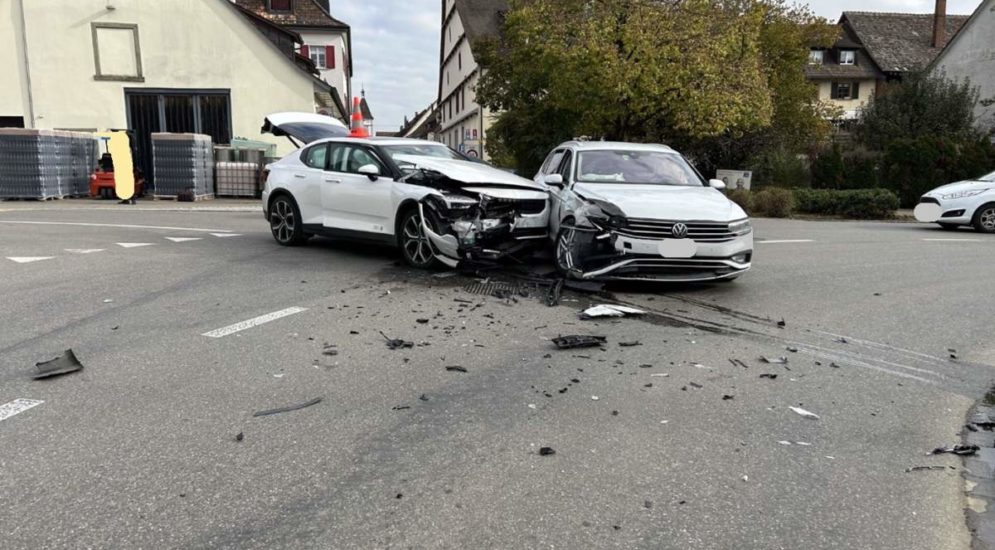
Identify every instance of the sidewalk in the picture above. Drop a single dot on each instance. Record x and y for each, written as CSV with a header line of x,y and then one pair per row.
x,y
215,205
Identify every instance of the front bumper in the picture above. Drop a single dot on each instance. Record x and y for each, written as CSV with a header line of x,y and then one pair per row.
x,y
527,232
953,212
627,258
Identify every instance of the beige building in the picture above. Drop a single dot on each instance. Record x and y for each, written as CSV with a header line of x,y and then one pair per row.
x,y
169,65
463,123
970,54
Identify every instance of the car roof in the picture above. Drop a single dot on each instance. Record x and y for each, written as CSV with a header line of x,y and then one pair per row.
x,y
384,141
615,146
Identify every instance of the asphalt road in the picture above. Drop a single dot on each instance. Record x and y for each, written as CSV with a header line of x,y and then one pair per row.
x,y
666,444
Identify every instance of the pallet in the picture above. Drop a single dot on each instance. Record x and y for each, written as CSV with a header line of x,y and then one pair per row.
x,y
196,198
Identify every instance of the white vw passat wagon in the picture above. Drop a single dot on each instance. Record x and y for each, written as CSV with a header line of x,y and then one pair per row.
x,y
641,212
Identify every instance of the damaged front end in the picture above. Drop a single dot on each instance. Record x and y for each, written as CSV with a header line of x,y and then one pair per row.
x,y
602,243
479,224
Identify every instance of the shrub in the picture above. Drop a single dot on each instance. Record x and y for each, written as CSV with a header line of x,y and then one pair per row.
x,y
914,166
772,203
827,169
852,203
741,197
779,168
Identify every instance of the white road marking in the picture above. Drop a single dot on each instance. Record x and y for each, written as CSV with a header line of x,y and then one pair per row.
x,y
28,259
785,241
123,226
238,327
226,234
183,239
953,240
133,245
84,250
17,406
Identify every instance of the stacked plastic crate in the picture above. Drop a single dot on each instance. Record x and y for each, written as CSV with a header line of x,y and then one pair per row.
x,y
29,164
237,172
182,162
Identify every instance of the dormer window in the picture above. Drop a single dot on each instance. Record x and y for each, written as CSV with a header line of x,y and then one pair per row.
x,y
815,57
281,5
848,57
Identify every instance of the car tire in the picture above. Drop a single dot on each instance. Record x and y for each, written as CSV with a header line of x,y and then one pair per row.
x,y
984,218
564,263
949,226
414,244
285,222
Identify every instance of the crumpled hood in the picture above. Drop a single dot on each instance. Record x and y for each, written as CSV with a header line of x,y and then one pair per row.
x,y
468,172
664,202
960,186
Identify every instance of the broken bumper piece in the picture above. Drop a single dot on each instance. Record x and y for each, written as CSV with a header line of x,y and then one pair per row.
x,y
611,255
484,232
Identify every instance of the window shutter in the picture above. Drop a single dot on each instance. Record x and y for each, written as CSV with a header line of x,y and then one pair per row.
x,y
306,52
834,91
330,57
855,94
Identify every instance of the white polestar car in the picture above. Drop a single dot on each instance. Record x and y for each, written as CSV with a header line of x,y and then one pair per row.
x,y
970,202
428,200
641,212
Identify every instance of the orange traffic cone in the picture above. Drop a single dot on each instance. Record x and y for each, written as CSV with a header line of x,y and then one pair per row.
x,y
358,130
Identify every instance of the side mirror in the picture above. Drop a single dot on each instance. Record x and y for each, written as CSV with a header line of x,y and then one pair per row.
x,y
553,180
370,170
717,184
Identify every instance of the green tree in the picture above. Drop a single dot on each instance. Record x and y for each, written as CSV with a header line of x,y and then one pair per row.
x,y
922,105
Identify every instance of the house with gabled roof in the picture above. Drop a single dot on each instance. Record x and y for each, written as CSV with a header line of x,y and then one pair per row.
x,y
970,55
876,48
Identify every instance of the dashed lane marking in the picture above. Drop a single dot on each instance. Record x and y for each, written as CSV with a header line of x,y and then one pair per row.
x,y
226,234
17,406
133,245
122,226
28,259
255,321
84,250
183,239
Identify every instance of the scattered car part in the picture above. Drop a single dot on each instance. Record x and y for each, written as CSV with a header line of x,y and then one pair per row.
x,y
806,414
546,451
396,343
960,450
768,375
579,341
456,368
778,361
64,364
290,408
609,310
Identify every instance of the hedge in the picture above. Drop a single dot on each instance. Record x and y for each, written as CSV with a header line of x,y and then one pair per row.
x,y
782,203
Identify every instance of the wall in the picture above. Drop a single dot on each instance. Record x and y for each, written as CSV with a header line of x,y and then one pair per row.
x,y
12,101
184,44
849,106
336,77
972,56
459,76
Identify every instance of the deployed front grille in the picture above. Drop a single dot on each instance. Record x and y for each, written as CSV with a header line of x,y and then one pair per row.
x,y
710,232
929,200
501,207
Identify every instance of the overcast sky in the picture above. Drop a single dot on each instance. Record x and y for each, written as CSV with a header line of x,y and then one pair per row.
x,y
396,46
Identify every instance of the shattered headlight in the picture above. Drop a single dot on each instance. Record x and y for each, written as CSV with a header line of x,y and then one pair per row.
x,y
742,227
459,202
963,194
606,223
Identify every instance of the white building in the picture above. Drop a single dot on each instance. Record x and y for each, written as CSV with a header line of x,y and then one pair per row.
x,y
464,123
327,42
165,66
970,54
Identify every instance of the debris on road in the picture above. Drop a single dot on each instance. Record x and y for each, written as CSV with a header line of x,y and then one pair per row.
x,y
738,363
728,397
804,413
421,321
64,364
554,293
239,436
423,397
290,408
781,323
959,450
696,385
792,349
919,468
330,349
396,343
456,368
609,310
400,408
952,352
841,340
579,341
769,375
630,344
661,374
778,361
783,442
594,398
546,451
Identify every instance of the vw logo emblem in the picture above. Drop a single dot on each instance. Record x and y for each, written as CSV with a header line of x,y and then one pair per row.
x,y
679,231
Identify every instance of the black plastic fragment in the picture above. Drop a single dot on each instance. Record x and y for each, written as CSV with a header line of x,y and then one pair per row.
x,y
778,361
314,401
400,408
396,343
918,468
456,368
554,293
421,321
546,451
630,344
579,341
960,450
64,364
239,436
781,323
768,375
728,397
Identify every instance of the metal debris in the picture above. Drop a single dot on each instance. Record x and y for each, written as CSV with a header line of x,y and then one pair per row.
x,y
804,413
396,343
64,364
960,450
609,310
778,361
314,401
579,341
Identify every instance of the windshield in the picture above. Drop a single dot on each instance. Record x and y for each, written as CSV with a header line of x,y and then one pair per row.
x,y
422,150
987,177
646,167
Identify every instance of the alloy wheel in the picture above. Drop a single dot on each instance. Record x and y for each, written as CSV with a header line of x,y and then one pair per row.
x,y
415,242
564,256
283,221
988,218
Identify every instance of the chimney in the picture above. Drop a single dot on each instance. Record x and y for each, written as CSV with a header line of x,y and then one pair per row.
x,y
940,24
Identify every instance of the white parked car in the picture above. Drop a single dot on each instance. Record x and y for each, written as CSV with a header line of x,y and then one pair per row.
x,y
428,200
641,212
970,202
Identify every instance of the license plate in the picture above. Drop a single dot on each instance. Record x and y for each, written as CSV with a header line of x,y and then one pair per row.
x,y
677,248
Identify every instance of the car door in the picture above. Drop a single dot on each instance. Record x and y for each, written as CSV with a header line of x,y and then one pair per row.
x,y
352,201
305,182
560,199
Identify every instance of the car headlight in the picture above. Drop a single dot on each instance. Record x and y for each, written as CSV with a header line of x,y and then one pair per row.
x,y
963,194
742,227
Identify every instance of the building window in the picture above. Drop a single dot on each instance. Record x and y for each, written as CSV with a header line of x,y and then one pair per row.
x,y
450,103
815,57
459,60
318,56
281,5
848,57
117,54
845,90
